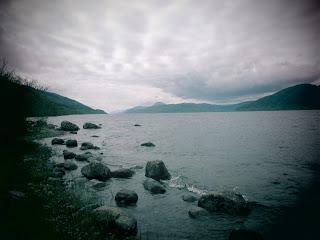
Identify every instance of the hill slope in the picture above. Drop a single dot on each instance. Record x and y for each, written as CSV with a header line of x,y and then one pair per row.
x,y
303,96
43,103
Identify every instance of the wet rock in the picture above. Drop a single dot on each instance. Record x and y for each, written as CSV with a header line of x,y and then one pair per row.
x,y
16,195
89,125
148,144
126,197
153,186
95,136
73,132
157,170
243,234
57,141
68,126
84,156
70,165
122,173
227,202
197,212
71,143
189,198
137,125
112,219
58,173
87,146
97,171
51,126
68,155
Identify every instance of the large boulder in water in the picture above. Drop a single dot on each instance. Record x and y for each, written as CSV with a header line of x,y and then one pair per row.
x,y
157,170
57,141
84,156
71,143
122,173
112,219
244,234
126,197
88,145
68,155
97,171
227,202
89,125
153,186
68,126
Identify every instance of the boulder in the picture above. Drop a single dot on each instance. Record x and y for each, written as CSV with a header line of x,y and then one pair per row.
x,y
112,219
148,144
68,155
71,143
68,126
243,234
227,202
89,125
122,173
70,165
87,146
153,186
16,195
97,171
157,170
137,125
73,132
197,212
84,156
126,197
189,198
57,141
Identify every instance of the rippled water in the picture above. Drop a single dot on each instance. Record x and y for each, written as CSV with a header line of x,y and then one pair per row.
x,y
266,156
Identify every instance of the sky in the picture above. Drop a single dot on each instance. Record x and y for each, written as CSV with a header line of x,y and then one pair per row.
x,y
114,55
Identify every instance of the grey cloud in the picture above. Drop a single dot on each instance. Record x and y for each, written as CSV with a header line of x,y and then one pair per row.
x,y
123,53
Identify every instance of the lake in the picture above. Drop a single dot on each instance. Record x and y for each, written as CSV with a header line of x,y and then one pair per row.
x,y
265,156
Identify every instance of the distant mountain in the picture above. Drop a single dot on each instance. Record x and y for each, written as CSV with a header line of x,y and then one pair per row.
x,y
43,103
303,96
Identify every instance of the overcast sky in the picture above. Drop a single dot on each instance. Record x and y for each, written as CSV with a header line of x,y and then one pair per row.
x,y
117,54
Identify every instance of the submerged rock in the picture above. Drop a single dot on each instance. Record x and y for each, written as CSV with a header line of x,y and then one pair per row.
x,y
95,136
57,141
112,219
196,212
122,173
68,155
189,198
157,170
84,156
58,173
243,234
148,144
68,126
71,143
89,125
126,197
227,202
73,132
70,165
87,146
97,171
137,125
153,186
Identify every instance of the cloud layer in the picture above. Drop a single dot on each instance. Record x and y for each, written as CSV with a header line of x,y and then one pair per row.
x,y
118,54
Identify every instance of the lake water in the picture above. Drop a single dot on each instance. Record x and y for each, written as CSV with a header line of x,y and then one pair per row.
x,y
266,156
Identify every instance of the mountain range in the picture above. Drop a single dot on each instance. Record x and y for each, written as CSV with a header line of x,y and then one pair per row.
x,y
299,97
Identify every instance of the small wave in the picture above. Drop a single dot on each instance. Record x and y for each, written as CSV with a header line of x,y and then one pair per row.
x,y
181,183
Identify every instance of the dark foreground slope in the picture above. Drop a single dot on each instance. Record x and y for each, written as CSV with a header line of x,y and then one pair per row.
x,y
299,97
